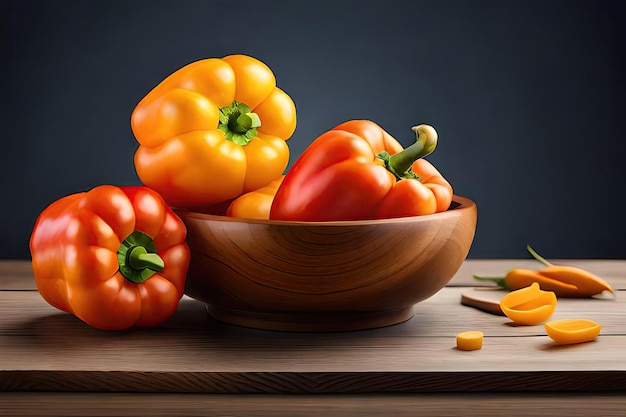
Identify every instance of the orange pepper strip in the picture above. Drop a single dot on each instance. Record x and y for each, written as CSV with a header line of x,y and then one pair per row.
x,y
520,278
564,281
586,283
570,331
529,306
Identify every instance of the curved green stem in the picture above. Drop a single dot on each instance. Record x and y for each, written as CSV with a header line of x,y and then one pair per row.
x,y
537,256
238,123
137,258
500,281
400,163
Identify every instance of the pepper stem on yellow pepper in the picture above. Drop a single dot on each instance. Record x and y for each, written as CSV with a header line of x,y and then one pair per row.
x,y
238,123
137,258
400,163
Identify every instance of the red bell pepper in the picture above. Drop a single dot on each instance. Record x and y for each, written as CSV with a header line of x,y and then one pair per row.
x,y
358,171
114,257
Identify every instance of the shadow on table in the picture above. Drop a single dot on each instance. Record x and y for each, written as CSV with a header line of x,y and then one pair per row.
x,y
191,328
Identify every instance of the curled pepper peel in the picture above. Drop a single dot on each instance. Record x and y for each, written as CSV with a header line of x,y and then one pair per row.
x,y
114,257
213,130
529,306
564,281
358,171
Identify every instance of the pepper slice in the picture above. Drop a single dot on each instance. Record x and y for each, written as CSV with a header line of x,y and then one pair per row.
x,y
564,281
470,340
529,306
571,331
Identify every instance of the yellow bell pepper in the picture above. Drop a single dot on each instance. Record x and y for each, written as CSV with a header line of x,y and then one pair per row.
x,y
213,130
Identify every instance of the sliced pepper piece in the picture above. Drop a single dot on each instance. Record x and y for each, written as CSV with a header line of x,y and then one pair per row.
x,y
213,130
470,340
255,204
564,281
570,331
358,171
529,306
115,257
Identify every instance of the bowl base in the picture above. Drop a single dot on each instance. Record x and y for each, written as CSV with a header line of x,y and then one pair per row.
x,y
311,321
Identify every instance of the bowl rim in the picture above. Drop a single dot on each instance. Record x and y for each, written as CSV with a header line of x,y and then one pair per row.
x,y
459,204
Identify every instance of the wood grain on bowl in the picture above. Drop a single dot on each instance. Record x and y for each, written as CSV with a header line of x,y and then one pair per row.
x,y
324,276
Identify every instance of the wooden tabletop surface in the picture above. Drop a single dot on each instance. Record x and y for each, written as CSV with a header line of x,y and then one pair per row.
x,y
194,364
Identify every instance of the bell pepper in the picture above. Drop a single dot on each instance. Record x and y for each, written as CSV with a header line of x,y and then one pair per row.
x,y
358,171
565,281
213,130
255,204
114,257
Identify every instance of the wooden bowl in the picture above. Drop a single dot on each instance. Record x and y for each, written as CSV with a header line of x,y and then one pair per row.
x,y
324,276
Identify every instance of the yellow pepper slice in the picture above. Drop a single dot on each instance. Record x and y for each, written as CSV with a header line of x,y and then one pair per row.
x,y
471,340
529,306
570,331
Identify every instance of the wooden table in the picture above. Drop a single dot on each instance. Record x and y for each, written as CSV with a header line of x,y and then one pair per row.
x,y
53,364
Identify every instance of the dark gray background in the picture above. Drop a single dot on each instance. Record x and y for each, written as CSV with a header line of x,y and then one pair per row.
x,y
527,97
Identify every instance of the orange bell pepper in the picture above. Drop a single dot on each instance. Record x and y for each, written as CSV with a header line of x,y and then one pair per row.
x,y
114,257
255,204
358,171
213,130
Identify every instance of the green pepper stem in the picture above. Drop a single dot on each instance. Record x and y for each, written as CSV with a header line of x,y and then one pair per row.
x,y
537,256
245,122
400,163
238,123
500,281
137,258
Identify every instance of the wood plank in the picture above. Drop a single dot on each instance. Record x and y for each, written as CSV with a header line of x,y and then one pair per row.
x,y
48,350
45,349
175,405
312,382
16,275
